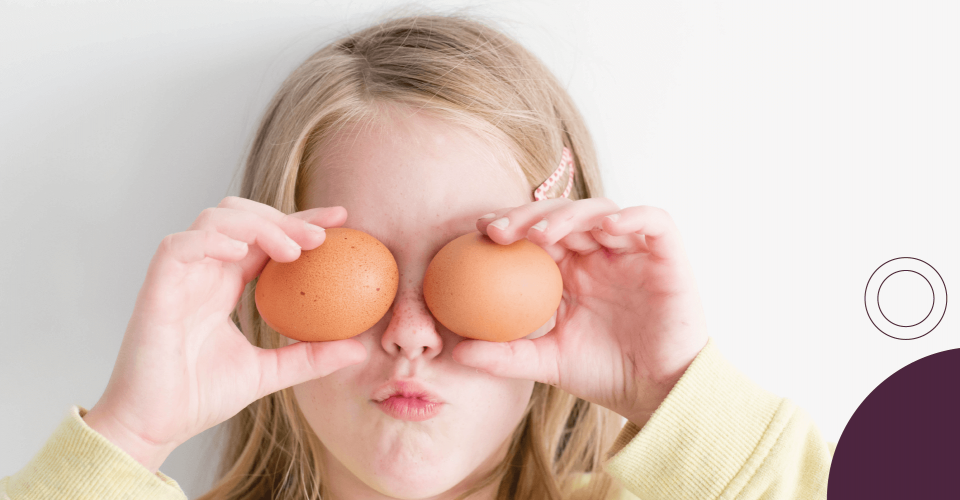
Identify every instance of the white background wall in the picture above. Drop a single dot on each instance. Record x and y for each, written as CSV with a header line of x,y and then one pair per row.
x,y
798,146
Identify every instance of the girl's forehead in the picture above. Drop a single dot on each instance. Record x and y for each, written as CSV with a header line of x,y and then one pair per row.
x,y
413,170
403,134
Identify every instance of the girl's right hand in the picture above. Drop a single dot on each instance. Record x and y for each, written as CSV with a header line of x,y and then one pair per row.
x,y
183,365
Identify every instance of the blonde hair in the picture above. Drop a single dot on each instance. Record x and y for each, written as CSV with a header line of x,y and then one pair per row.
x,y
469,73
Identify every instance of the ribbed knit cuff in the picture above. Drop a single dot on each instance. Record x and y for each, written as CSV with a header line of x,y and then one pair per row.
x,y
705,440
79,463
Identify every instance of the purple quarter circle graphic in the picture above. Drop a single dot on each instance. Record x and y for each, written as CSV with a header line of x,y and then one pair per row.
x,y
903,439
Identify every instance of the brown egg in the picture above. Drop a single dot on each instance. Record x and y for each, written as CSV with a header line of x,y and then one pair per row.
x,y
336,291
484,290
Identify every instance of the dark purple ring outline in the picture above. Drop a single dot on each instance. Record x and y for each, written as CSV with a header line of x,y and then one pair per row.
x,y
937,310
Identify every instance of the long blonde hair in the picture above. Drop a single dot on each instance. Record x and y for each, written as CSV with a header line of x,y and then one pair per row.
x,y
468,73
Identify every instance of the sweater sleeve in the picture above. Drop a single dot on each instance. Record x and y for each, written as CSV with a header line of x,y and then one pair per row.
x,y
78,462
718,435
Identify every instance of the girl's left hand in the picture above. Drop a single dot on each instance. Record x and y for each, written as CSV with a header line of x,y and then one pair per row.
x,y
630,321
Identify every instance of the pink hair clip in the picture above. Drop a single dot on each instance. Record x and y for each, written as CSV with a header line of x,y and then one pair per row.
x,y
566,161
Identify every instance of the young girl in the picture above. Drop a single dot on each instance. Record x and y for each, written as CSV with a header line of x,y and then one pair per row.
x,y
416,131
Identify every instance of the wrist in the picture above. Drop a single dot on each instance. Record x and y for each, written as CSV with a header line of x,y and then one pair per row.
x,y
653,391
640,419
640,414
654,394
149,454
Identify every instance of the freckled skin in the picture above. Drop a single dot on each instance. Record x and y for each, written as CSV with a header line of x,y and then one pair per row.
x,y
415,183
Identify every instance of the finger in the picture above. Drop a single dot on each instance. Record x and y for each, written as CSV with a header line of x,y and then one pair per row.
x,y
627,243
582,243
302,361
512,224
272,233
546,222
661,235
192,246
557,252
256,258
300,226
486,219
534,359
579,216
323,216
187,247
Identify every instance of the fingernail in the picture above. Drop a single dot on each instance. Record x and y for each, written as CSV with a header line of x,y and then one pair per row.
x,y
291,243
613,217
317,230
501,223
488,216
540,226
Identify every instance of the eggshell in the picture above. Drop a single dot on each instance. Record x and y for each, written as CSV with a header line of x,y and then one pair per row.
x,y
483,290
335,291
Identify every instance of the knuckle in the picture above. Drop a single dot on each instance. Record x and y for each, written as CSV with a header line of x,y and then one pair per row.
x,y
166,243
209,236
652,211
313,365
205,216
229,202
291,221
262,382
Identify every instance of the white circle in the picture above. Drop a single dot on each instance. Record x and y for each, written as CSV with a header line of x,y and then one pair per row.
x,y
871,298
905,298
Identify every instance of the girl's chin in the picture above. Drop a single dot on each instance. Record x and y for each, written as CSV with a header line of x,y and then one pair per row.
x,y
418,485
410,492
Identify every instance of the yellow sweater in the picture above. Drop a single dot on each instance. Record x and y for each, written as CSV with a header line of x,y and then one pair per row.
x,y
716,436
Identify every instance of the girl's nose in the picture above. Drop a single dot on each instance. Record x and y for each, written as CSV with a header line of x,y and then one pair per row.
x,y
411,332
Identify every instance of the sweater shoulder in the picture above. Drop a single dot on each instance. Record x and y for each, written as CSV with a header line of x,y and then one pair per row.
x,y
78,462
720,435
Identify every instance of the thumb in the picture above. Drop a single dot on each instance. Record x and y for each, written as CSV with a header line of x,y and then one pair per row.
x,y
302,361
535,359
